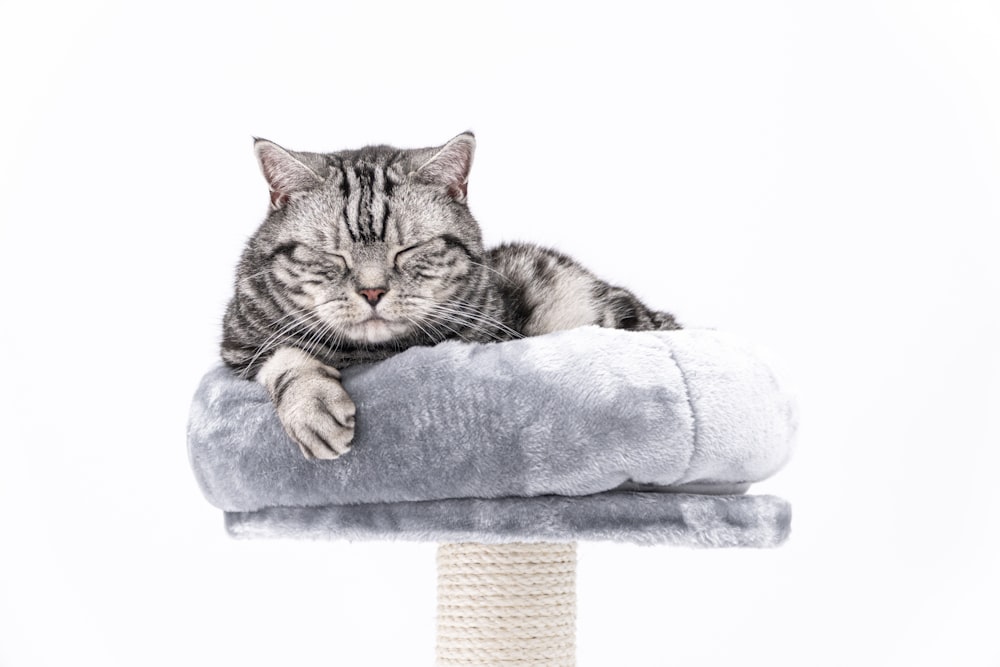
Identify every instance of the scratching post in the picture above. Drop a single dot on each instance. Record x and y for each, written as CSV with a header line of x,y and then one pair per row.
x,y
506,605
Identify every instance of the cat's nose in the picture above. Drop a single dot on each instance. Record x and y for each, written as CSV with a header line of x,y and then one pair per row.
x,y
373,295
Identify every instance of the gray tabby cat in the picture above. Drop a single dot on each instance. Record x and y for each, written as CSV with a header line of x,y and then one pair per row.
x,y
367,252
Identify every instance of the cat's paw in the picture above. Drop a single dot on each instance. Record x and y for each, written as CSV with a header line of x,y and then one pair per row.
x,y
318,415
312,405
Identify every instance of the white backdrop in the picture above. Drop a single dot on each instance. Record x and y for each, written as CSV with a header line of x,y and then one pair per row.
x,y
823,178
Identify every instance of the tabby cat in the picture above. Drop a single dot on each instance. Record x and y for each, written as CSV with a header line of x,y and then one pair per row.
x,y
367,252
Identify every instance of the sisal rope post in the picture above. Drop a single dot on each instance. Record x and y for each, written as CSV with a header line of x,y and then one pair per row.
x,y
509,605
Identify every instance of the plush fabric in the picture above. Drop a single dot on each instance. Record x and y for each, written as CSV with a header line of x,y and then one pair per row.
x,y
453,439
679,519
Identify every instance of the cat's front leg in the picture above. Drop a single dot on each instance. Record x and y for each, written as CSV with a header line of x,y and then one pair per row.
x,y
311,403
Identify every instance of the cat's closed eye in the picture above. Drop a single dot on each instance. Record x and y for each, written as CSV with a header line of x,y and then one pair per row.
x,y
401,255
319,260
340,261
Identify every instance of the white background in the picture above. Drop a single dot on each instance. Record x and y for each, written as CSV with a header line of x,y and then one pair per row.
x,y
822,178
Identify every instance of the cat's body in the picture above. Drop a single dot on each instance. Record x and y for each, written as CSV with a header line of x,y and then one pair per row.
x,y
366,253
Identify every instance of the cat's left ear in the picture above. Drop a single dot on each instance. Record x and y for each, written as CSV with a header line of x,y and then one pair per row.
x,y
286,172
450,166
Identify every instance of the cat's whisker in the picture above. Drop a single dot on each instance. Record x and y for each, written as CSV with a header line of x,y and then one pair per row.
x,y
252,276
448,316
337,338
279,337
310,342
477,316
427,333
310,317
441,325
443,320
474,308
298,311
294,313
321,340
334,338
271,341
490,268
416,324
450,307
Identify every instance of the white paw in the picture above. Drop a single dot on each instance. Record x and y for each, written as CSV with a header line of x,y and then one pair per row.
x,y
317,413
311,403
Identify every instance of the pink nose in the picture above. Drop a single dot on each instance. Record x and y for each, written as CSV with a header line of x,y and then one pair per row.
x,y
373,295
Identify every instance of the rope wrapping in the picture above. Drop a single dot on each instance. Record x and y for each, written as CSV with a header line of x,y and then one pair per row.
x,y
506,605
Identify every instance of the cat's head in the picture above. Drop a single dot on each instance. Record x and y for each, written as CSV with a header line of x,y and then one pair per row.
x,y
373,245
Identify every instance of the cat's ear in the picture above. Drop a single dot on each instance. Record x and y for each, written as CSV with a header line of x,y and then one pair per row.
x,y
286,172
449,166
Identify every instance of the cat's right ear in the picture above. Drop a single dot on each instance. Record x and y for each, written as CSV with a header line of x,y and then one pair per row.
x,y
449,166
286,172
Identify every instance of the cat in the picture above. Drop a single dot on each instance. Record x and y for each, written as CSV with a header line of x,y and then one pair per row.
x,y
367,252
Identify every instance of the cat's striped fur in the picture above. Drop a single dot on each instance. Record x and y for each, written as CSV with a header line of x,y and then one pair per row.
x,y
368,252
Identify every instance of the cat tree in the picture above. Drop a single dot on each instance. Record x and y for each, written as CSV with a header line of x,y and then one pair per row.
x,y
507,455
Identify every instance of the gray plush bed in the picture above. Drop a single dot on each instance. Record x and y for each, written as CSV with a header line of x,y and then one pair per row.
x,y
591,433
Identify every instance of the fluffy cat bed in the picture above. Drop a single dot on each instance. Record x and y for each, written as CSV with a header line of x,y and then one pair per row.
x,y
592,433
